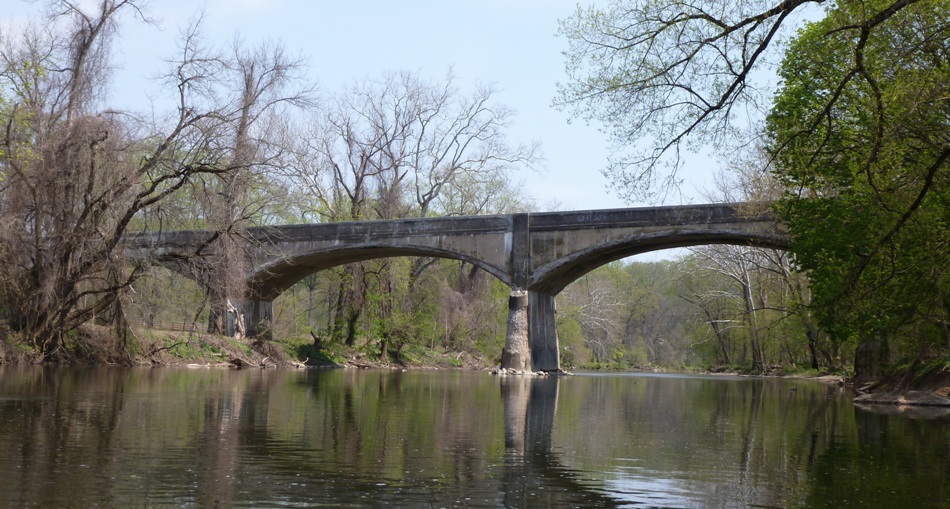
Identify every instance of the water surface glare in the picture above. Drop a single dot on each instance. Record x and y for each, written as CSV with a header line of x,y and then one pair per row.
x,y
263,438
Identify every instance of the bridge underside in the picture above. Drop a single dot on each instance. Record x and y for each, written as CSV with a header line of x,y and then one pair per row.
x,y
276,276
545,282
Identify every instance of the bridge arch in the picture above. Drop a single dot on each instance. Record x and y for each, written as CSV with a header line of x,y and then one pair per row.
x,y
271,279
552,277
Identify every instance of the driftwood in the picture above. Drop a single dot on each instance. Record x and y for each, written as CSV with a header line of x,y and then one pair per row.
x,y
240,362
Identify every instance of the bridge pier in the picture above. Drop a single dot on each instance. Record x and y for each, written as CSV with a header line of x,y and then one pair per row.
x,y
531,343
517,353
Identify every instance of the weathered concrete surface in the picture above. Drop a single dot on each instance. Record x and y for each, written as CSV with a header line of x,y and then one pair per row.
x,y
259,317
517,354
565,246
540,253
304,249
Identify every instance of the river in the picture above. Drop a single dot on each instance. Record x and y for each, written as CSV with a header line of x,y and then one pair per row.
x,y
279,438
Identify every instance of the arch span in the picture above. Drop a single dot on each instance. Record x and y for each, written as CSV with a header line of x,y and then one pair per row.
x,y
552,277
271,279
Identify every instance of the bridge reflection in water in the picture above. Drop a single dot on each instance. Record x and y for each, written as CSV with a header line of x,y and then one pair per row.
x,y
533,475
161,437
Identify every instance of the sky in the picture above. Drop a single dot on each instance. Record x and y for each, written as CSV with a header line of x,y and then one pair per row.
x,y
510,43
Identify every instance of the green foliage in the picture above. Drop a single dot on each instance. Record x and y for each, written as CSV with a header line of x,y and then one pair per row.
x,y
571,339
78,176
858,134
699,311
448,308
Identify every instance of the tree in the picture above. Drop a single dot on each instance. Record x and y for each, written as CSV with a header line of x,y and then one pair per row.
x,y
401,147
659,74
857,132
76,177
859,135
741,282
592,302
265,80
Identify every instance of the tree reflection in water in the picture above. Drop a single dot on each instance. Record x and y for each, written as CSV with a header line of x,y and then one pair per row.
x,y
165,437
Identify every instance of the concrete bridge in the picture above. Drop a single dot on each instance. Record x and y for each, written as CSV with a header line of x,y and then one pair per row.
x,y
536,254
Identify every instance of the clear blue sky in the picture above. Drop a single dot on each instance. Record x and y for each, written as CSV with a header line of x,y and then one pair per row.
x,y
512,43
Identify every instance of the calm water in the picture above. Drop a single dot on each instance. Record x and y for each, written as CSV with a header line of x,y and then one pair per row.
x,y
252,438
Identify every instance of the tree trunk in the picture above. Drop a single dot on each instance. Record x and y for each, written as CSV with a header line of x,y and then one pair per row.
x,y
871,358
812,348
349,304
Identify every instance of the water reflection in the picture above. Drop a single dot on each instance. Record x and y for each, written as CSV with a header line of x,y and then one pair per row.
x,y
534,475
173,438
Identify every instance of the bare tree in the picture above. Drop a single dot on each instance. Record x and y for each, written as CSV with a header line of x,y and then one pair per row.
x,y
393,148
71,183
266,82
77,177
593,302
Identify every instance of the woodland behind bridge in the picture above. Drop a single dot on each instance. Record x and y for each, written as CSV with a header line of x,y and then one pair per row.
x,y
242,139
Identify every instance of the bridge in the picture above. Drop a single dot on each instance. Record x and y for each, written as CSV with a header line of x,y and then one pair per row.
x,y
536,254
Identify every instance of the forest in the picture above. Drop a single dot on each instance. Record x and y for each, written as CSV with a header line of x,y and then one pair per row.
x,y
852,148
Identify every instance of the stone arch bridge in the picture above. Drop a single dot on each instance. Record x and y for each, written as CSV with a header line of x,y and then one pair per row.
x,y
536,254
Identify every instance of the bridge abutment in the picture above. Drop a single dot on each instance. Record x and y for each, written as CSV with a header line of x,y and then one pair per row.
x,y
258,317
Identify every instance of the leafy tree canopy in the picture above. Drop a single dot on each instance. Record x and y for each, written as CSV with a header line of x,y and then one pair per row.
x,y
860,137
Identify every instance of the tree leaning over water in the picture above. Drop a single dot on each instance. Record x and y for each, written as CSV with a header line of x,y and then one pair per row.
x,y
857,133
663,76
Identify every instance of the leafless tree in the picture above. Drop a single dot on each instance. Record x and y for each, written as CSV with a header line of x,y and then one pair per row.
x,y
77,177
738,264
393,148
265,81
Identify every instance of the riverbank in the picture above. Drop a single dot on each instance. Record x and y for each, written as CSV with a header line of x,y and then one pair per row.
x,y
917,384
909,388
97,346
